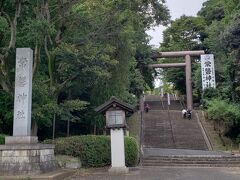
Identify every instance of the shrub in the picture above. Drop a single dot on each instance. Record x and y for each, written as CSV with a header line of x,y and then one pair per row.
x,y
216,109
238,139
131,151
6,112
67,146
220,110
226,113
94,151
210,93
2,138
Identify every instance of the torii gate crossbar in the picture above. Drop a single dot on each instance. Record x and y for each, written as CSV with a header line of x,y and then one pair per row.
x,y
187,65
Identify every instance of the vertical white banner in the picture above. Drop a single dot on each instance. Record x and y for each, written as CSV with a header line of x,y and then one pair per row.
x,y
208,71
161,91
168,98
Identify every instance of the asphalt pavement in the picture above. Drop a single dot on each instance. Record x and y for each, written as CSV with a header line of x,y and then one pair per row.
x,y
160,173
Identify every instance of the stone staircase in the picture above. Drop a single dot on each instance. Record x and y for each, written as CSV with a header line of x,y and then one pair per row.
x,y
170,140
199,161
169,130
160,103
183,157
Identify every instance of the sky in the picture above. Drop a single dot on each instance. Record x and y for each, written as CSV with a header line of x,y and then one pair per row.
x,y
177,8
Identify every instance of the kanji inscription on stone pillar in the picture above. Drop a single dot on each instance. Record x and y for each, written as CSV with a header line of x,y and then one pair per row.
x,y
23,92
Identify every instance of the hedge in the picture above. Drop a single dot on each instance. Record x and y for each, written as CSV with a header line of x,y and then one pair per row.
x,y
94,151
2,138
220,110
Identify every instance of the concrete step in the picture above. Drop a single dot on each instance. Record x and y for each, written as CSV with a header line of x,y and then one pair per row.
x,y
209,161
181,153
190,159
190,165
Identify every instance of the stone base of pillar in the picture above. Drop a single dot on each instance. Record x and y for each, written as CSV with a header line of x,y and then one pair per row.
x,y
27,159
118,170
21,140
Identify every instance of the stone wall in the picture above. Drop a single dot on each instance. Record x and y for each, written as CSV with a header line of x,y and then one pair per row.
x,y
28,159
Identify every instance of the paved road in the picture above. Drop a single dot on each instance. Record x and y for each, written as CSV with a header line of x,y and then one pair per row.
x,y
161,173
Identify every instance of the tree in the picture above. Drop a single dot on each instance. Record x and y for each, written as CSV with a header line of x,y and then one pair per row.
x,y
185,33
231,41
79,47
132,22
9,14
216,43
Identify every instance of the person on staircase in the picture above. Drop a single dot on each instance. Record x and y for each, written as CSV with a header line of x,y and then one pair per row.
x,y
147,107
184,113
189,114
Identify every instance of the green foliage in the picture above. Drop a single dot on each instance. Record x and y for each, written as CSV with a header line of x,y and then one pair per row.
x,y
131,151
3,33
227,113
136,82
175,76
238,139
42,104
37,30
218,10
221,110
125,80
218,109
84,52
230,36
210,93
94,151
222,38
6,112
168,88
68,107
212,10
184,33
2,138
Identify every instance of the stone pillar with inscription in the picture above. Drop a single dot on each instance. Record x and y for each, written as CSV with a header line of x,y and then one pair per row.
x,y
22,154
23,93
22,99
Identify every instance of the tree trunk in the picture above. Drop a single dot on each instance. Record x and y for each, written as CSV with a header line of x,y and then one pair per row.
x,y
5,86
5,81
68,127
95,129
50,68
54,126
34,130
36,57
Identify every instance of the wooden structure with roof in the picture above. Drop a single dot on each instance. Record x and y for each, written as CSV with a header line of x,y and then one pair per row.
x,y
115,112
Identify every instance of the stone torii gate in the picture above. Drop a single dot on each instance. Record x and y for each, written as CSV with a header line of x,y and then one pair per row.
x,y
187,65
